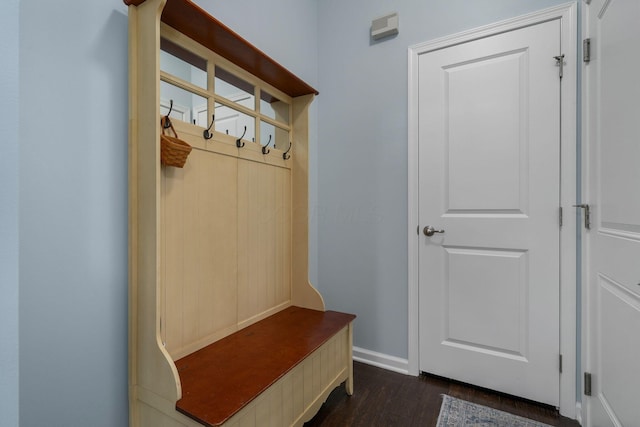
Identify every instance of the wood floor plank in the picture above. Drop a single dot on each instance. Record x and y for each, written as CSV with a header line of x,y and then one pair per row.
x,y
384,398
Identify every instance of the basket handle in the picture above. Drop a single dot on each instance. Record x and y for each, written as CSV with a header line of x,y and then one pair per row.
x,y
163,120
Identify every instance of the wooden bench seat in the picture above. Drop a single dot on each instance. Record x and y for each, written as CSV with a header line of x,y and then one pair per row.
x,y
222,378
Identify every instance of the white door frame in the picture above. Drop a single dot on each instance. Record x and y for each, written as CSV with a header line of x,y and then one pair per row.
x,y
567,13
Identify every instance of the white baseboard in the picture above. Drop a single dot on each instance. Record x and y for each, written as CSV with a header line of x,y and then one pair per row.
x,y
380,360
579,412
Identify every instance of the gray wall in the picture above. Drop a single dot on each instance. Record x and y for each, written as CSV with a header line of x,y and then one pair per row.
x,y
9,81
362,153
72,181
73,213
73,199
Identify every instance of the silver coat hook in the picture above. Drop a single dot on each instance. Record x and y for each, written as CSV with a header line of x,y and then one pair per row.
x,y
265,150
239,142
167,120
205,133
286,154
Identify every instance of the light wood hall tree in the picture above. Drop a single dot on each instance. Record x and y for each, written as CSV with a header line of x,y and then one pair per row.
x,y
224,326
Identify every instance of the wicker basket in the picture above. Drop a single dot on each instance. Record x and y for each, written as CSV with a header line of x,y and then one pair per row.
x,y
173,150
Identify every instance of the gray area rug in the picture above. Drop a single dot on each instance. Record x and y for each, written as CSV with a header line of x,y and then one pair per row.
x,y
460,413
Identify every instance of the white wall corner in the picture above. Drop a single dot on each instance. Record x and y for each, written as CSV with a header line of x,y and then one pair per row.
x,y
380,360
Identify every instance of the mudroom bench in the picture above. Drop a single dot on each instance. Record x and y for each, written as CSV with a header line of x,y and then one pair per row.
x,y
297,356
224,326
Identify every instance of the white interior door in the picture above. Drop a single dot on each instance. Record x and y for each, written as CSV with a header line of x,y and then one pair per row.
x,y
489,177
611,338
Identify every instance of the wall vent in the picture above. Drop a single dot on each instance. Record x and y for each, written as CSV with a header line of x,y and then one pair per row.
x,y
384,26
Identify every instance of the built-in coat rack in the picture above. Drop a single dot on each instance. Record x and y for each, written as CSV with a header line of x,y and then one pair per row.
x,y
207,134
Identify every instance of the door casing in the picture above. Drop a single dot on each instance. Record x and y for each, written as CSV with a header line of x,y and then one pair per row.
x,y
567,14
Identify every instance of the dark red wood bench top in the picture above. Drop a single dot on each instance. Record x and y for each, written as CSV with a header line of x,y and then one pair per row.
x,y
220,379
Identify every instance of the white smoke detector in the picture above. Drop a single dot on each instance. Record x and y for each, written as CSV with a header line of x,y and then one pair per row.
x,y
384,26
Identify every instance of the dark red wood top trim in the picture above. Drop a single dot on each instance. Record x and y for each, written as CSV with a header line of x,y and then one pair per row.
x,y
193,21
222,378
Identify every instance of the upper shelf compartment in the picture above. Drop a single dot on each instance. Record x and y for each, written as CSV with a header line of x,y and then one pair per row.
x,y
193,21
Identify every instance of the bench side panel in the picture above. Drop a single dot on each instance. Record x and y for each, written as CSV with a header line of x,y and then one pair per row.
x,y
297,396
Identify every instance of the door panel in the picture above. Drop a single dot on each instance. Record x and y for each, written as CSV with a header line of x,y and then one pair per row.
x,y
479,106
612,270
618,357
501,273
489,175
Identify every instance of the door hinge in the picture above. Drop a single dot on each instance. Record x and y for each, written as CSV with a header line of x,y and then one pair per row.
x,y
587,214
587,383
560,362
586,50
560,63
560,215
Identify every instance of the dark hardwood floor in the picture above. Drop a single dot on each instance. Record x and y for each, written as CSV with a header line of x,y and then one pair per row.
x,y
383,398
